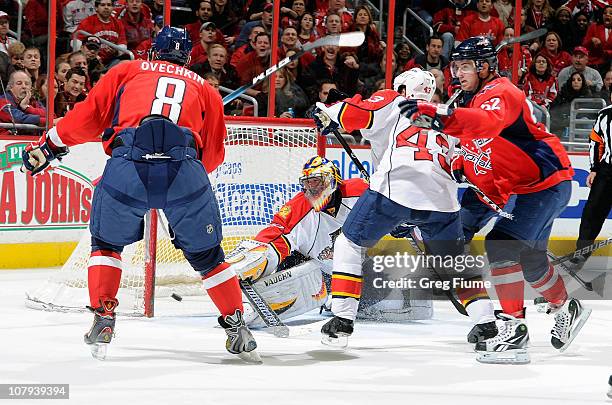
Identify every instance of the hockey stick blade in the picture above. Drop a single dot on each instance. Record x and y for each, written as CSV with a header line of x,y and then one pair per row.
x,y
349,39
522,38
269,317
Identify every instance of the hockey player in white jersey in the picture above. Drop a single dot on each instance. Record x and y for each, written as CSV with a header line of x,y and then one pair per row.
x,y
412,184
307,225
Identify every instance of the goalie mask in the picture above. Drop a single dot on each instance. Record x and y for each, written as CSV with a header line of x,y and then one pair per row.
x,y
418,84
320,178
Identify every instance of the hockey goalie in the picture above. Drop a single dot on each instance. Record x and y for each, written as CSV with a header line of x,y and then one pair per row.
x,y
290,261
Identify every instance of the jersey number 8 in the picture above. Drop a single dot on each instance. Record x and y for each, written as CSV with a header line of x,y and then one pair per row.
x,y
169,95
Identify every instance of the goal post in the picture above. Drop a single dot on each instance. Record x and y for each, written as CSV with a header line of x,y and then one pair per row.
x,y
260,172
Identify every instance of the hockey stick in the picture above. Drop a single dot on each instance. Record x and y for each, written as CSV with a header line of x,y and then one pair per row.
x,y
349,39
581,252
413,243
269,317
587,285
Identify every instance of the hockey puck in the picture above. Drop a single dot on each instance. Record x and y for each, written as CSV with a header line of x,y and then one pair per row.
x,y
177,297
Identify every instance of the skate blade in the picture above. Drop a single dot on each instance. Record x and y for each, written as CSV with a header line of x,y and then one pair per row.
x,y
98,350
251,357
610,393
340,342
519,356
584,316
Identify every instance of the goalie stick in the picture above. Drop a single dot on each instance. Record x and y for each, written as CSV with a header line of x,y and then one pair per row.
x,y
348,39
413,243
262,308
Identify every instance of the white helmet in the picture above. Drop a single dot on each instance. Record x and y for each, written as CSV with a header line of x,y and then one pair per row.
x,y
419,84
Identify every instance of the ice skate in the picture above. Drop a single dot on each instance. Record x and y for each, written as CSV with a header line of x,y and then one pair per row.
x,y
103,329
610,387
239,341
336,332
509,346
482,332
569,319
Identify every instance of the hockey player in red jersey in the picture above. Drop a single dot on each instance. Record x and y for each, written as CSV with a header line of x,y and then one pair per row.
x,y
163,127
505,152
411,184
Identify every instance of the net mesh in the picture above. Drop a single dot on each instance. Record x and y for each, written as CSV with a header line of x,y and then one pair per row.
x,y
259,174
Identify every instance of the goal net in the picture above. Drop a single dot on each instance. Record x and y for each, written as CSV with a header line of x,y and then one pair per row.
x,y
260,173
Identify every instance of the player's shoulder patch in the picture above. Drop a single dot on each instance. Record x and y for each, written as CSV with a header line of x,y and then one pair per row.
x,y
353,187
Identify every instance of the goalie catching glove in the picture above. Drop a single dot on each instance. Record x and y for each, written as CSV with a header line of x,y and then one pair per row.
x,y
251,260
37,156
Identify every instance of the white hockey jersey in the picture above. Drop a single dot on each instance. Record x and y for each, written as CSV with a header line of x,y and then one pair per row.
x,y
298,227
412,164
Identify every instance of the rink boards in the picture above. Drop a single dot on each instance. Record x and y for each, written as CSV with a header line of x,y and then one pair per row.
x,y
48,214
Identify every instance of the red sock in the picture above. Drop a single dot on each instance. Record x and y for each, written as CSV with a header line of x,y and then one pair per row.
x,y
510,287
223,288
103,276
551,286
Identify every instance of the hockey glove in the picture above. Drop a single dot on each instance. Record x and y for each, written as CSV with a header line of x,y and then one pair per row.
x,y
424,114
335,95
324,122
37,156
457,167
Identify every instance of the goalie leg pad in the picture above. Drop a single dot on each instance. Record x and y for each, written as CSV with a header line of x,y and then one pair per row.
x,y
291,292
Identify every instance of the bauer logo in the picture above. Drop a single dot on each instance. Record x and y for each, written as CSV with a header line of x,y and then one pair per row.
x,y
252,204
60,198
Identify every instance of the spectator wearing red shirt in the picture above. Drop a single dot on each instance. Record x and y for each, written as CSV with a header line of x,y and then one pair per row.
x,y
540,84
337,7
255,62
552,50
306,29
203,13
105,26
447,21
136,19
241,52
481,23
207,38
598,41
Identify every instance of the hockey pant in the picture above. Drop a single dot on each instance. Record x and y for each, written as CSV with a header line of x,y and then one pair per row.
x,y
155,166
372,217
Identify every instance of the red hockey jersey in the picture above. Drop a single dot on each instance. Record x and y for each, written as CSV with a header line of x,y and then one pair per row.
x,y
542,92
505,151
135,89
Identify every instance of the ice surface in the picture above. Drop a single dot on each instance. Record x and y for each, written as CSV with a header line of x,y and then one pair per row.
x,y
182,360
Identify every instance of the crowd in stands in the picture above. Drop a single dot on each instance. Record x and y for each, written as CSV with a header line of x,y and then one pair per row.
x,y
232,43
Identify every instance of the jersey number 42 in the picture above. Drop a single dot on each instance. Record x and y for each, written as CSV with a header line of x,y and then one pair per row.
x,y
426,143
